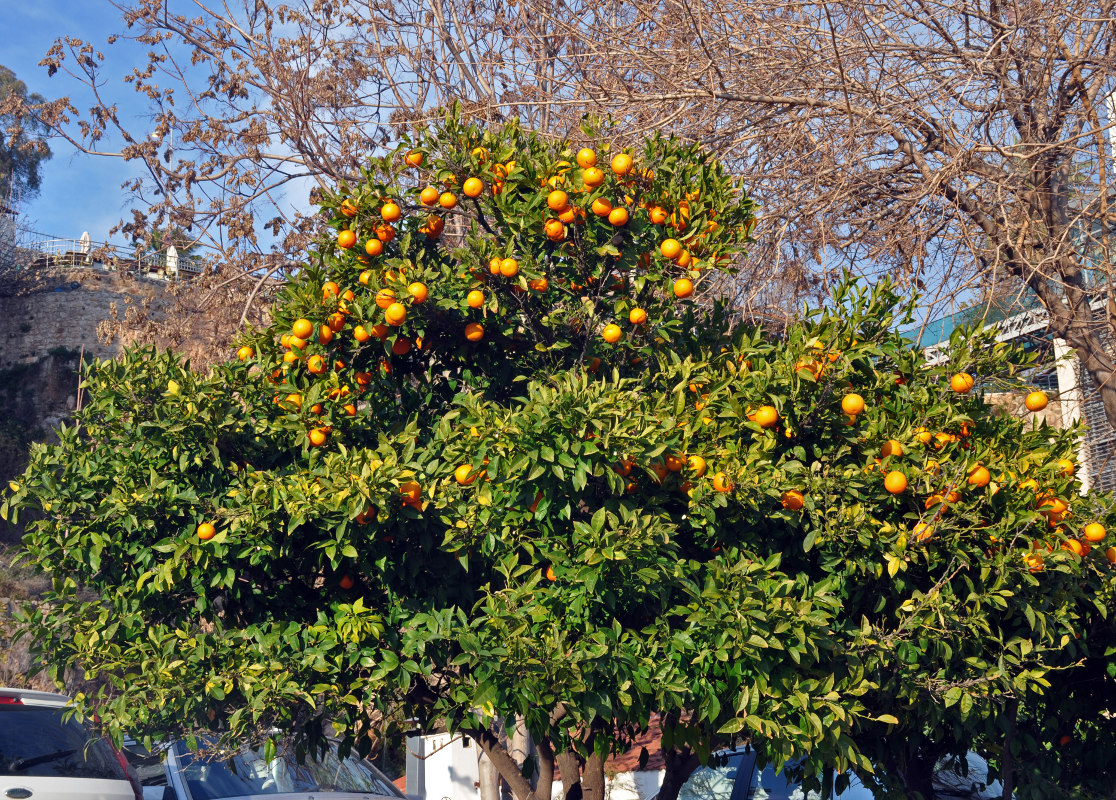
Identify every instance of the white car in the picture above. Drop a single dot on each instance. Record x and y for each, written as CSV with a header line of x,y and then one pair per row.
x,y
44,757
173,772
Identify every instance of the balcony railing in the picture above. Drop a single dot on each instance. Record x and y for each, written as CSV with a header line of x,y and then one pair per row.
x,y
38,250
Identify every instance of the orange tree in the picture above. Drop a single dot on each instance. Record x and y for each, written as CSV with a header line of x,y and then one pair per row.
x,y
493,459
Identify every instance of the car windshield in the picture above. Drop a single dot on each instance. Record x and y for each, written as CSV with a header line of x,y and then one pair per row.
x,y
214,777
36,742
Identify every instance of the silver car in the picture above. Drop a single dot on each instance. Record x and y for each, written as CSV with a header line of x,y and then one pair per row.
x,y
173,772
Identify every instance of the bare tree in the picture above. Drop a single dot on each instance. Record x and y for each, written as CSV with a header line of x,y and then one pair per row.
x,y
961,144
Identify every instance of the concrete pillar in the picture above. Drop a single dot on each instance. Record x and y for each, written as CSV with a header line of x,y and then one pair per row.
x,y
1071,401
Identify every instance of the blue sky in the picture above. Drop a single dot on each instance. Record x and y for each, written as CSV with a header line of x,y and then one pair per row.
x,y
79,192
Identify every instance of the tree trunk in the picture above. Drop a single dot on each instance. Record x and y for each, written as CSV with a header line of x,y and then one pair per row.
x,y
570,766
919,776
490,743
593,778
680,765
1007,765
544,788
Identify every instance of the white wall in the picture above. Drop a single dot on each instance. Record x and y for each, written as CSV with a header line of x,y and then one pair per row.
x,y
441,766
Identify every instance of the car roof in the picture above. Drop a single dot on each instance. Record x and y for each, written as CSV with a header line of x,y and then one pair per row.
x,y
33,697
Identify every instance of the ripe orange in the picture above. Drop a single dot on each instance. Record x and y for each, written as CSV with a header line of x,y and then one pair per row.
x,y
316,365
721,482
922,531
684,259
793,500
586,158
539,284
330,289
348,295
318,436
962,383
892,448
475,298
361,334
401,346
612,333
418,292
325,334
494,265
1094,532
391,211
366,276
346,582
384,232
767,416
602,207
670,248
349,409
674,463
1073,546
464,475
618,217
346,239
290,356
683,287
379,330
1110,554
373,247
592,177
206,531
302,328
428,196
474,331
348,208
895,482
395,314
637,316
447,200
555,230
244,353
622,164
979,476
472,187
1036,401
550,576
658,215
1033,562
696,465
594,364
852,404
412,493
509,267
296,342
557,200
414,158
1067,467
569,216
385,297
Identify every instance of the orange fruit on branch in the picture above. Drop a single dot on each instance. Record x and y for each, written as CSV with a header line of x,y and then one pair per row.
x,y
696,465
509,267
302,328
767,416
447,200
385,297
206,531
612,333
618,217
683,288
1036,401
1094,532
852,404
592,177
373,247
346,239
979,476
602,207
622,164
464,475
472,187
418,292
474,331
670,248
390,212
721,483
892,448
475,298
244,353
895,482
586,158
793,500
428,196
557,200
637,316
962,383
395,314
414,158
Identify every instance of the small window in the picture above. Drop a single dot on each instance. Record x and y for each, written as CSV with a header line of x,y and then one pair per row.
x,y
35,742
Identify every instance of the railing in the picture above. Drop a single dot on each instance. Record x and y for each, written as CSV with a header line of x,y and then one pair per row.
x,y
38,250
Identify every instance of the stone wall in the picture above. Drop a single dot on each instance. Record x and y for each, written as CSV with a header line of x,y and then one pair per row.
x,y
62,309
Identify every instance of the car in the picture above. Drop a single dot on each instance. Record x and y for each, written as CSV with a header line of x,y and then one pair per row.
x,y
46,756
173,772
733,775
